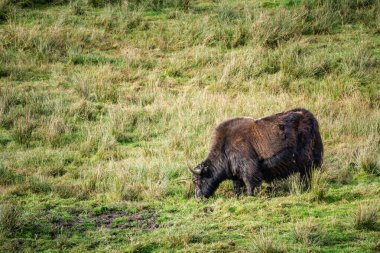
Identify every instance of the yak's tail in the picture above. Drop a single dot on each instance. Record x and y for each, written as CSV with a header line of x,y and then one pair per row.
x,y
312,137
318,146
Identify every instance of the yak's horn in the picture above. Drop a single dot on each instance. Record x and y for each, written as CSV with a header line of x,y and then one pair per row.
x,y
194,171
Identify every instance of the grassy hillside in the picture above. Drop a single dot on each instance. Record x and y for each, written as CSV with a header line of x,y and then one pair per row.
x,y
104,104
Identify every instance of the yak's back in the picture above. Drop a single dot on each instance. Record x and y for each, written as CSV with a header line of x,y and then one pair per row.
x,y
228,130
267,136
280,132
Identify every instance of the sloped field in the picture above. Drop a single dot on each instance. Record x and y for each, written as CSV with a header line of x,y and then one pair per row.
x,y
104,104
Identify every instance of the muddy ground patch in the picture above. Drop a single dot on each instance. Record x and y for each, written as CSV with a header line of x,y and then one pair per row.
x,y
145,219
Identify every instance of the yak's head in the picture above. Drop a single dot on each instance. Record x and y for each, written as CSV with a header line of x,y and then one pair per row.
x,y
204,179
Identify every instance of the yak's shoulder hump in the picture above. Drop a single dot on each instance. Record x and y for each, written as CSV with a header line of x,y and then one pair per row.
x,y
298,112
233,121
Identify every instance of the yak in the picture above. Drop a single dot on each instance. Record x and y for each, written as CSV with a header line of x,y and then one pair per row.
x,y
249,151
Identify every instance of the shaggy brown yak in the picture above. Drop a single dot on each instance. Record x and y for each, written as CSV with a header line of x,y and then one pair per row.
x,y
249,151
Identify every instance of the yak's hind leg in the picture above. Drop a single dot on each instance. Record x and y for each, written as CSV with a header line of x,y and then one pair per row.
x,y
251,175
313,155
238,186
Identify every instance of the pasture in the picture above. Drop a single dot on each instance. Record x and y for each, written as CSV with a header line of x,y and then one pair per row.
x,y
104,104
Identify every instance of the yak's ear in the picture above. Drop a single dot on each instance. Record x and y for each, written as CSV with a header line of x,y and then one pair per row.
x,y
205,166
204,170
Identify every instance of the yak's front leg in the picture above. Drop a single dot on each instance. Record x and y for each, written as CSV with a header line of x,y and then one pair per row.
x,y
238,186
252,176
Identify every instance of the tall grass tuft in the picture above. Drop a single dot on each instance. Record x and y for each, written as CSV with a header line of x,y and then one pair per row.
x,y
318,186
9,219
56,127
102,3
369,164
272,28
38,3
124,121
264,243
289,186
366,217
5,9
23,129
306,232
98,141
295,185
78,7
8,177
160,4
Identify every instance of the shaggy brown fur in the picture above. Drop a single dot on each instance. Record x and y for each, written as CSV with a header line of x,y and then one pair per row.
x,y
249,151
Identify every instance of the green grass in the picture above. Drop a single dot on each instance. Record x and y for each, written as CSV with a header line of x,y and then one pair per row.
x,y
104,105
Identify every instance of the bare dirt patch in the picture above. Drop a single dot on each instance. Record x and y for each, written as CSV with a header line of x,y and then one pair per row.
x,y
140,220
145,220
